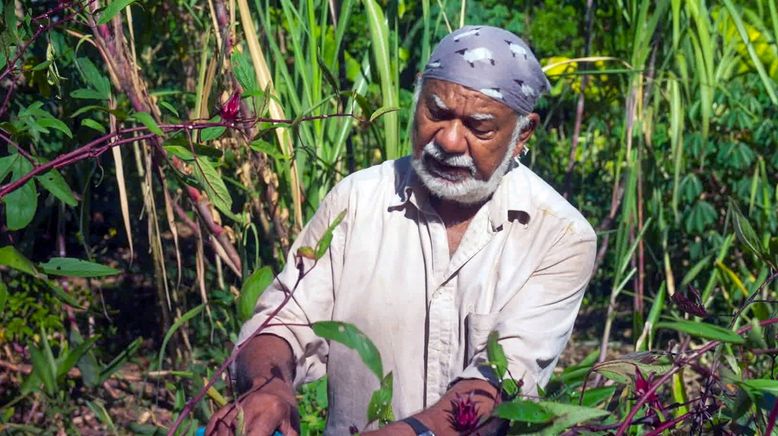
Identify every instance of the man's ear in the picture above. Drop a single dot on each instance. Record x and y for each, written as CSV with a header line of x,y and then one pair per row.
x,y
526,134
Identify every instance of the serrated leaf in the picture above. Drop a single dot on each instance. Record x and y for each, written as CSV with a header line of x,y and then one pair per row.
x,y
703,330
21,204
326,237
92,76
12,258
251,290
244,72
92,124
380,406
53,182
622,370
269,149
351,337
213,184
72,267
113,9
149,122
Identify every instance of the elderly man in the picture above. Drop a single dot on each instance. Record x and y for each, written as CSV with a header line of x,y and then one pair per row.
x,y
436,250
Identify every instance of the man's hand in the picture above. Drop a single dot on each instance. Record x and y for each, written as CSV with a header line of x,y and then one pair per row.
x,y
265,371
266,409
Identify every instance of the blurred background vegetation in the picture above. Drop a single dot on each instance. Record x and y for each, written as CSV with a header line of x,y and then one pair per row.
x,y
660,127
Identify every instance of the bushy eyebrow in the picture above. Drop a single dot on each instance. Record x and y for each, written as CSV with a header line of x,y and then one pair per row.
x,y
439,102
481,116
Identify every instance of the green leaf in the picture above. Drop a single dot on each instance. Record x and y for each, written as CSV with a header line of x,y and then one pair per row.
x,y
523,411
622,370
148,121
73,355
213,184
210,133
169,107
244,72
176,325
6,164
119,361
351,337
269,149
113,9
72,267
703,330
92,124
55,124
595,396
568,415
21,204
12,258
3,296
326,238
87,94
496,355
43,370
251,290
762,386
53,181
382,111
380,406
747,235
94,78
64,296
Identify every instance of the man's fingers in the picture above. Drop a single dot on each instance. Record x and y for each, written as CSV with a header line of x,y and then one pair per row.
x,y
268,421
221,422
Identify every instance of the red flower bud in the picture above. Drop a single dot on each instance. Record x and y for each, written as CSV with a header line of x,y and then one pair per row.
x,y
230,109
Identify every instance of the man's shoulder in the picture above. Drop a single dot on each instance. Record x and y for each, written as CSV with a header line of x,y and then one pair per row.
x,y
548,201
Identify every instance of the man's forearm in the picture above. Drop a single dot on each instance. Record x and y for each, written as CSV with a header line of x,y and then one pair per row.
x,y
266,358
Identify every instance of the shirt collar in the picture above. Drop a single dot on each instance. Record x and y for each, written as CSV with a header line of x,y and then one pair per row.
x,y
512,201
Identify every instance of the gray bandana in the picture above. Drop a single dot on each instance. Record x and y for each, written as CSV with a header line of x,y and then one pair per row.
x,y
492,61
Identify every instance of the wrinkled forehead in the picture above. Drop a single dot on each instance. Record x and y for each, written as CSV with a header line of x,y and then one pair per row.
x,y
492,61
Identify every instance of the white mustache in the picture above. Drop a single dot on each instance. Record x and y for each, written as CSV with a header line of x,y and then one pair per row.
x,y
435,151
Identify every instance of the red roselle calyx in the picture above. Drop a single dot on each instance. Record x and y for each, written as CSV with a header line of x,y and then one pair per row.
x,y
643,385
464,413
229,112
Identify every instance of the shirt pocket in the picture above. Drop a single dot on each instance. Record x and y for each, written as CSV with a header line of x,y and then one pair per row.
x,y
478,328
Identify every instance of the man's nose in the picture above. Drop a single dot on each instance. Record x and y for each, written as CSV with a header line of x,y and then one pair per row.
x,y
451,138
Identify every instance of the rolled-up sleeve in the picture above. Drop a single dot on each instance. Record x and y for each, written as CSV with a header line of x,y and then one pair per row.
x,y
536,323
313,297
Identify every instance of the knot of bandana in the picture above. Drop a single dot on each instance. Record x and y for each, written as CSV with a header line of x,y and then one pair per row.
x,y
492,61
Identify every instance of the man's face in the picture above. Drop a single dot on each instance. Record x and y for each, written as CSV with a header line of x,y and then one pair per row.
x,y
462,141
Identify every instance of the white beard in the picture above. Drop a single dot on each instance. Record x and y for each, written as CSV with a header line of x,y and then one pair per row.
x,y
469,190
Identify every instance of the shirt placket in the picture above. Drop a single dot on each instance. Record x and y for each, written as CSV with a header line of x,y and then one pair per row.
x,y
442,313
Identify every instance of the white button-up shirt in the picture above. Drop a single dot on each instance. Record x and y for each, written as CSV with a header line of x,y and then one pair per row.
x,y
520,269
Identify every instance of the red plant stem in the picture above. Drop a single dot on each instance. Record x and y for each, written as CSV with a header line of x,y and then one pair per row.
x,y
677,366
18,148
668,424
87,151
189,406
771,419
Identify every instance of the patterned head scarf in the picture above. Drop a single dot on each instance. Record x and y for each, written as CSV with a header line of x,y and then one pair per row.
x,y
490,60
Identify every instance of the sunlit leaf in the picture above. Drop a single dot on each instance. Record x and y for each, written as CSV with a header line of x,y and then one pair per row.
x,y
21,204
212,182
523,411
267,148
622,369
92,124
113,9
352,337
72,267
762,386
326,237
251,290
703,330
380,406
